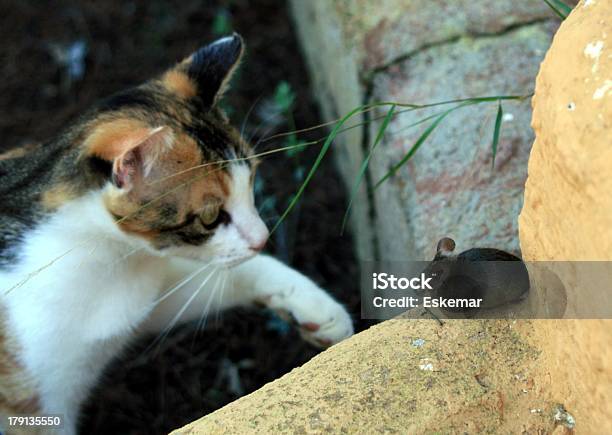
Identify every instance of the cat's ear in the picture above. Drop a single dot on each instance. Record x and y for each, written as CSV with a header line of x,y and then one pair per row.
x,y
138,158
210,68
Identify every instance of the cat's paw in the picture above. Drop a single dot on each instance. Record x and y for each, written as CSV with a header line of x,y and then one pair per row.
x,y
324,332
321,320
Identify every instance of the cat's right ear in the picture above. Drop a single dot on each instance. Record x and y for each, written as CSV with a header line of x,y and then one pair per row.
x,y
132,149
136,162
207,72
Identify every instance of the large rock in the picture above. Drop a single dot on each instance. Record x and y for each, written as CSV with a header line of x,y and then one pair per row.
x,y
421,51
567,214
404,376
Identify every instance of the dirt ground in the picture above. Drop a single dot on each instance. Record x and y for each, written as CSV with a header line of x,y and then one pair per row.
x,y
59,57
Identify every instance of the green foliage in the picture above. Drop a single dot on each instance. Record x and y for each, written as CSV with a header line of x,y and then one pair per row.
x,y
316,164
391,113
284,98
222,24
366,161
418,143
496,132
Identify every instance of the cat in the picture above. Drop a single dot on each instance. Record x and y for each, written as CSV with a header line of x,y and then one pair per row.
x,y
117,228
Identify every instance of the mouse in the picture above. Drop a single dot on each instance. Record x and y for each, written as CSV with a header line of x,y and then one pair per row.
x,y
495,276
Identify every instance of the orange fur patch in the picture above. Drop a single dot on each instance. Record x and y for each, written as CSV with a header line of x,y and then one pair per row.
x,y
179,181
17,391
112,139
178,83
58,195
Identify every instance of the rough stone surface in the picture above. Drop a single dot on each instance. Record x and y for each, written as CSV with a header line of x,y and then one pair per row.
x,y
423,51
568,207
404,376
449,188
388,30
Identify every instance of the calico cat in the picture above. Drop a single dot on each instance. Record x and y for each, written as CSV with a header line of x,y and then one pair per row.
x,y
115,228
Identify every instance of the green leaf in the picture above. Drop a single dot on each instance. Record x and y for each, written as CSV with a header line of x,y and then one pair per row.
x,y
284,96
496,131
221,24
560,8
463,102
420,142
316,164
365,163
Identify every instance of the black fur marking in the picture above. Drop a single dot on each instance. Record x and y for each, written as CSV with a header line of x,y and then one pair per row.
x,y
193,238
210,139
23,180
135,97
212,63
168,212
101,166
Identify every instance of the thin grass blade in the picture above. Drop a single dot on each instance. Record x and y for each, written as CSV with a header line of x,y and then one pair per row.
x,y
496,132
316,164
420,141
560,8
365,163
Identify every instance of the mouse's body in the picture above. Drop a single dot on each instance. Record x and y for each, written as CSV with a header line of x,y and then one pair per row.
x,y
497,277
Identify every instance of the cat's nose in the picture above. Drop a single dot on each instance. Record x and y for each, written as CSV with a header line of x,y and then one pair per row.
x,y
251,228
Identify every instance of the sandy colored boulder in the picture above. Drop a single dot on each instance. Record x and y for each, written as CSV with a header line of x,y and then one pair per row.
x,y
567,214
403,376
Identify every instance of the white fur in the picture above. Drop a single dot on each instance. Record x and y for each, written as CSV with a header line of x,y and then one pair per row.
x,y
82,287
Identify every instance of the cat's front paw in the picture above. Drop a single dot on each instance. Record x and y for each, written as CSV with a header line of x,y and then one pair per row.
x,y
321,320
329,326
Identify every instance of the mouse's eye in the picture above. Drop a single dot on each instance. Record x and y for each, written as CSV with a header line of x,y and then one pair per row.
x,y
211,210
438,272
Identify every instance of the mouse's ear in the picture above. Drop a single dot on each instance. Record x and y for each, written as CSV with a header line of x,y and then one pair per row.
x,y
445,246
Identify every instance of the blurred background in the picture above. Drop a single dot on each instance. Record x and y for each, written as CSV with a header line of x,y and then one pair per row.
x,y
60,57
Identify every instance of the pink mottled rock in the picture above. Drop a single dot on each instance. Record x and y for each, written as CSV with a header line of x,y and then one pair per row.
x,y
449,188
423,51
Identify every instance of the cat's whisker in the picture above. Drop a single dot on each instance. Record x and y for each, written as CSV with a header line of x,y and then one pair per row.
x,y
226,275
224,162
168,292
200,325
246,118
260,140
263,122
166,331
126,256
202,321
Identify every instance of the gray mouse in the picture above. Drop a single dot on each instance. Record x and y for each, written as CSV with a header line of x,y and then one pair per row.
x,y
495,276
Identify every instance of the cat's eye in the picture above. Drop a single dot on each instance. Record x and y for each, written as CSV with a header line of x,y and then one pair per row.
x,y
212,214
211,210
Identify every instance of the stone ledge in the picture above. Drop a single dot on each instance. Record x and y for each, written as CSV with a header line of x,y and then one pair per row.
x,y
404,376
